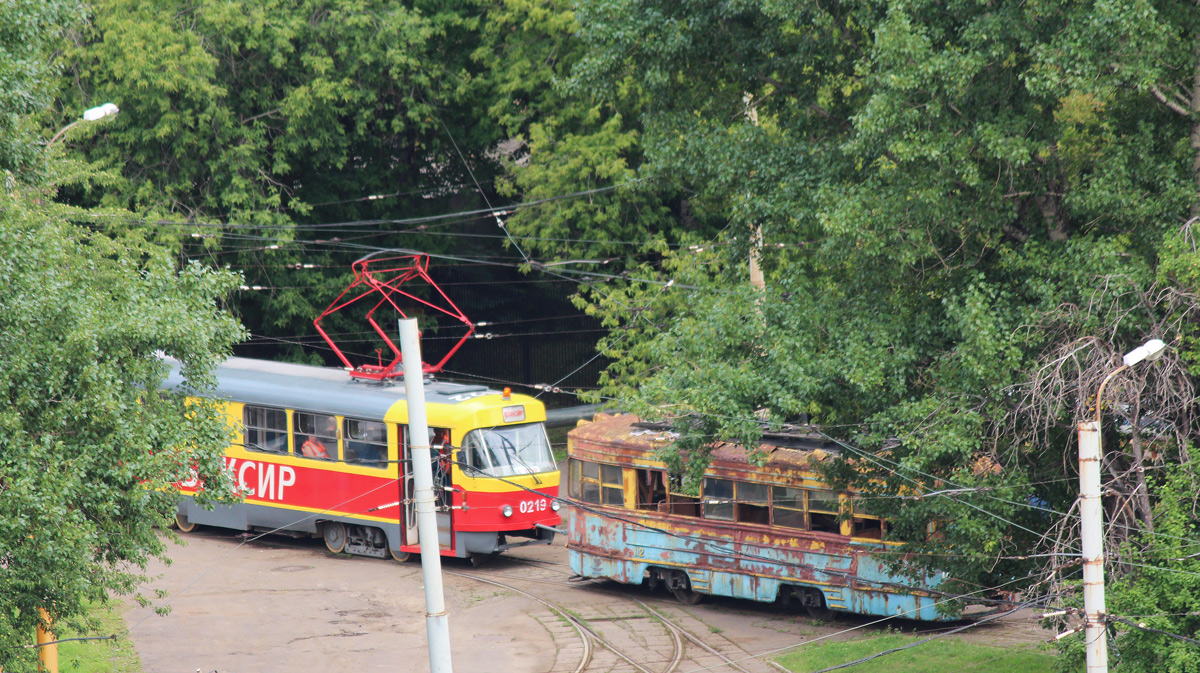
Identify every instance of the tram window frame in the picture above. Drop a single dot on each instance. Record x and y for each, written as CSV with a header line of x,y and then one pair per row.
x,y
612,485
753,506
793,517
718,499
823,520
651,490
597,483
300,435
864,524
275,437
681,504
809,511
354,445
573,469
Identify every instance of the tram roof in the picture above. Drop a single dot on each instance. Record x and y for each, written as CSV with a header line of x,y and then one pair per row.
x,y
626,432
309,388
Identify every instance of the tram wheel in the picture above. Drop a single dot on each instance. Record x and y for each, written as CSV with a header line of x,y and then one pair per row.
x,y
182,523
683,591
687,596
816,608
401,556
335,536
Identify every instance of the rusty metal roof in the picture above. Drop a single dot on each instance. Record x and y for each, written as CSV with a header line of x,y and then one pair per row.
x,y
628,432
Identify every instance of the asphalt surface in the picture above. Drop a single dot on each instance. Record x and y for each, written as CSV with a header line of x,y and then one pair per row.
x,y
284,604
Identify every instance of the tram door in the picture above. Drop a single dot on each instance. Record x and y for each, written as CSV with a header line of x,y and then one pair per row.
x,y
441,480
439,442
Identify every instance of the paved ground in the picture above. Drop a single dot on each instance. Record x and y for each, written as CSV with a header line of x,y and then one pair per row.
x,y
280,604
273,606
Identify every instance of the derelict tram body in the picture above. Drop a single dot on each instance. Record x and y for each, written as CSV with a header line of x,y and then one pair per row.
x,y
768,533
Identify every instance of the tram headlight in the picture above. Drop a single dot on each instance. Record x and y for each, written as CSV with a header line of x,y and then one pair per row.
x,y
555,505
507,510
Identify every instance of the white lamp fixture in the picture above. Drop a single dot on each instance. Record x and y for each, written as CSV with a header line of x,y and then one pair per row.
x,y
89,115
106,110
1149,351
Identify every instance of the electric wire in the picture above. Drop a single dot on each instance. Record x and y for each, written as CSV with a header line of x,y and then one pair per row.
x,y
1143,627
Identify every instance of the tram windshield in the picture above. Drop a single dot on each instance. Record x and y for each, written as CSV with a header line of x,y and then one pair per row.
x,y
510,450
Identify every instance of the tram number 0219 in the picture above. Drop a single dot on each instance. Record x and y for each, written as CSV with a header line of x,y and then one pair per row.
x,y
532,506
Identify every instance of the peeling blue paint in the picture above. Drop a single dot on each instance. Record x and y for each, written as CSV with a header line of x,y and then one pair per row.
x,y
718,564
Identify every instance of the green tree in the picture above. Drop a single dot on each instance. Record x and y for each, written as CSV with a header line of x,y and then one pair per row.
x,y
945,207
242,123
88,442
29,30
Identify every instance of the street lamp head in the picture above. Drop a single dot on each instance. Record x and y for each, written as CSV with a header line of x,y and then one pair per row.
x,y
1151,350
106,110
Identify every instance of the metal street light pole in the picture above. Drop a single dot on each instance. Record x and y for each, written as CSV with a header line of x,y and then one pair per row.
x,y
1091,516
437,624
89,115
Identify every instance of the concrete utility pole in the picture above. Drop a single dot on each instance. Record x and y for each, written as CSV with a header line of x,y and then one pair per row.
x,y
1091,516
437,624
1091,522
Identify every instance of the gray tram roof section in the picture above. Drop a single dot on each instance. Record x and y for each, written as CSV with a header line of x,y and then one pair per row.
x,y
307,388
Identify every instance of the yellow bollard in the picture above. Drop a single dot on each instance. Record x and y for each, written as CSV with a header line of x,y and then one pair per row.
x,y
48,654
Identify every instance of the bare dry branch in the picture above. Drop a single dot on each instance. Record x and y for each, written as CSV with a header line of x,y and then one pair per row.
x,y
1148,412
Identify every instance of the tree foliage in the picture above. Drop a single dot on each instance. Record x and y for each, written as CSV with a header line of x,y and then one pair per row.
x,y
949,196
88,443
967,212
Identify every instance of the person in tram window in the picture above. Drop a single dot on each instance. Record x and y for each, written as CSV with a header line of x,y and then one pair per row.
x,y
313,447
439,442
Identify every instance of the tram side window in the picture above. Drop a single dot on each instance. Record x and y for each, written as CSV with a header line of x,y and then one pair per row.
x,y
572,477
315,436
597,484
681,504
366,443
788,507
865,524
805,509
612,488
823,511
266,429
718,499
651,490
752,503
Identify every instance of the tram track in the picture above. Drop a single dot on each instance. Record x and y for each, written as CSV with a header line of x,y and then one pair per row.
x,y
593,637
627,639
583,633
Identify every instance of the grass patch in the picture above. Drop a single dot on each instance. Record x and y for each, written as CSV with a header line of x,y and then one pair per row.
x,y
100,656
943,654
558,441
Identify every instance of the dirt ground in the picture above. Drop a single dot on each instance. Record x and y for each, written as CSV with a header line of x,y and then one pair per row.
x,y
280,604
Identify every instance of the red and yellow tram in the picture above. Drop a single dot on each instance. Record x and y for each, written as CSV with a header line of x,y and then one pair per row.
x,y
317,452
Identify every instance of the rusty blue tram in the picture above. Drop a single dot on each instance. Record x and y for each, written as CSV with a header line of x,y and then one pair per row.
x,y
773,532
